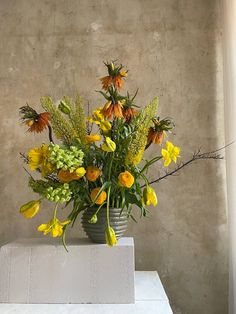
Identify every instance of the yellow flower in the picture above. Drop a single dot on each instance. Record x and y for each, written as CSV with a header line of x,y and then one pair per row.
x,y
102,197
124,73
92,138
126,179
99,119
54,226
105,126
67,176
149,196
170,153
38,159
110,236
109,145
30,209
92,173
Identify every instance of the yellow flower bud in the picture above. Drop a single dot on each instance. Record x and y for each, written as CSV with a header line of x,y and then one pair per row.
x,y
30,209
110,236
109,145
126,179
149,196
102,197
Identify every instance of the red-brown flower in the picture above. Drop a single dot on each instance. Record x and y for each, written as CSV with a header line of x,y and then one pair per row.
x,y
36,122
129,113
155,136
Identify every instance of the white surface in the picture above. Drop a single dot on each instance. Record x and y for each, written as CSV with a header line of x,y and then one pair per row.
x,y
41,271
229,21
150,299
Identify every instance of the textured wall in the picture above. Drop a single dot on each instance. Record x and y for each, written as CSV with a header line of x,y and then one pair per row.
x,y
173,49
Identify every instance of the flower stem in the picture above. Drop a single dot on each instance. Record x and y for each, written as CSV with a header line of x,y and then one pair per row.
x,y
55,211
108,205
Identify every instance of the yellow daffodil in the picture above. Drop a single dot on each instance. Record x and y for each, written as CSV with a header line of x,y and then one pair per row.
x,y
149,196
54,226
110,236
126,179
105,126
38,159
30,209
171,153
67,176
99,119
109,145
92,173
91,138
102,197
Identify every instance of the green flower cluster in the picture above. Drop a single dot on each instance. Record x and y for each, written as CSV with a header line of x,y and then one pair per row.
x,y
60,194
66,159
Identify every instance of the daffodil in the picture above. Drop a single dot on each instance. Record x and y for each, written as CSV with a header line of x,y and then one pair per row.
x,y
99,119
126,179
109,145
54,226
38,159
30,209
149,196
110,236
171,153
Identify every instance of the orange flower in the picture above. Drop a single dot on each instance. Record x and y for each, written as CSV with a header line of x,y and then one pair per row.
x,y
92,173
129,113
102,197
106,82
126,179
67,176
118,81
155,136
111,109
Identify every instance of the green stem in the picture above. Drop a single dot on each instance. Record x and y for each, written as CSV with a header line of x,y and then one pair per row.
x,y
55,211
108,203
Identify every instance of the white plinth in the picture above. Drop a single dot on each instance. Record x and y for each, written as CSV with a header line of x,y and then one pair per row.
x,y
150,298
41,271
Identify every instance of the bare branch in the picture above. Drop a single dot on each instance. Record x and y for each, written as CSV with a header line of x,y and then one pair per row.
x,y
196,156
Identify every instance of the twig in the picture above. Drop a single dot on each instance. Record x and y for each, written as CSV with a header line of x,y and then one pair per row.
x,y
196,156
50,133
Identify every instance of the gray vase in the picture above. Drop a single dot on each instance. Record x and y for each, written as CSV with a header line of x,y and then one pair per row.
x,y
96,232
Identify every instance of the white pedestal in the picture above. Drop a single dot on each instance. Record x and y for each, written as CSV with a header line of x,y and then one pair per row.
x,y
150,298
41,271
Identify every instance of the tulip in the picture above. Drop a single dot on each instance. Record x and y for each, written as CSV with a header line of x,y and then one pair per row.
x,y
110,236
149,196
30,209
109,145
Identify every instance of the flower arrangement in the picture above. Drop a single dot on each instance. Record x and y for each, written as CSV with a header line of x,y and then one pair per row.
x,y
103,168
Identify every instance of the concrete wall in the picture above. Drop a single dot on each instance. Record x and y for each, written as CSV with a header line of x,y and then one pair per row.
x,y
173,49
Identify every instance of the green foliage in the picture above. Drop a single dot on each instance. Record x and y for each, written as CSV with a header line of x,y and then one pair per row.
x,y
76,116
62,128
